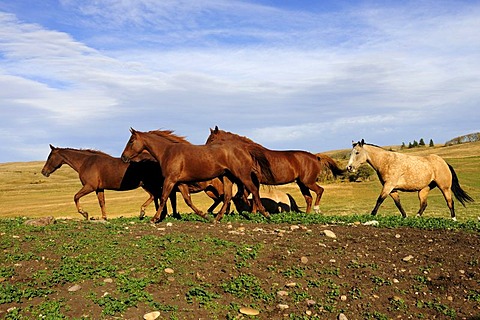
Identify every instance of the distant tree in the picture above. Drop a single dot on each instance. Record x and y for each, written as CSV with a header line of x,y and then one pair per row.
x,y
415,143
421,143
403,145
431,144
410,146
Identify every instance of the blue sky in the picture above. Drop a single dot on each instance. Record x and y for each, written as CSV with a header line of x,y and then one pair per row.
x,y
309,75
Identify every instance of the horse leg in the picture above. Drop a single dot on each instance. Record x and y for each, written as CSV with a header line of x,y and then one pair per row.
x,y
101,202
383,195
227,196
254,189
396,198
82,192
447,194
307,195
318,191
145,205
173,202
188,200
422,196
167,189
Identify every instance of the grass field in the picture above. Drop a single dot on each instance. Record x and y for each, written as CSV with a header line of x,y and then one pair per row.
x,y
25,192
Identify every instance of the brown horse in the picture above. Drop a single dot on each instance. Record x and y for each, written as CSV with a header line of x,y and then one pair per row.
x,y
185,163
99,171
401,172
287,166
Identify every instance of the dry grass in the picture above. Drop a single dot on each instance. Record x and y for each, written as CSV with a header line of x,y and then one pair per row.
x,y
25,192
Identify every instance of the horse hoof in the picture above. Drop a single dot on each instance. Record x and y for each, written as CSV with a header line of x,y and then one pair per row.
x,y
142,215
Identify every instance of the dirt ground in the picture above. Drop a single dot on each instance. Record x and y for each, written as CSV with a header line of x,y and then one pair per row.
x,y
280,270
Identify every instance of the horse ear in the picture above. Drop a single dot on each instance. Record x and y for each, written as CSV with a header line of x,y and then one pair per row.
x,y
362,142
52,147
132,131
216,129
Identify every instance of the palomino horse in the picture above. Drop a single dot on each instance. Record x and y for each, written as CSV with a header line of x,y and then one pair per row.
x,y
401,172
185,163
287,166
99,171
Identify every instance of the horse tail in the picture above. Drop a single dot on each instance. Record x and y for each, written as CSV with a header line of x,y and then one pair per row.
x,y
328,162
263,167
293,205
458,192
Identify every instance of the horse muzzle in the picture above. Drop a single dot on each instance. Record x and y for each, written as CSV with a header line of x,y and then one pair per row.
x,y
125,159
351,169
46,173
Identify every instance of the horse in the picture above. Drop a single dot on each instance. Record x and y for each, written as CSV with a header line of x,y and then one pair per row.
x,y
274,201
401,172
286,166
213,188
185,163
99,171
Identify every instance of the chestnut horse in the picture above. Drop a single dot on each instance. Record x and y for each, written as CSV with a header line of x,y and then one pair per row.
x,y
185,163
99,171
286,166
401,172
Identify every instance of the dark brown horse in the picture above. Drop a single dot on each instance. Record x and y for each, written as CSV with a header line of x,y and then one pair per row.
x,y
287,166
185,163
99,171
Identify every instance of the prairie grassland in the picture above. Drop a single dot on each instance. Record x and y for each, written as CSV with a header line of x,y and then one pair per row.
x,y
25,192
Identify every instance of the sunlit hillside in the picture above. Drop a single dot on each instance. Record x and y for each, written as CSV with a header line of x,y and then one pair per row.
x,y
25,192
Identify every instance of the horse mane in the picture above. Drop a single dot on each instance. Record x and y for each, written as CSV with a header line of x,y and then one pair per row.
x,y
241,138
169,135
90,151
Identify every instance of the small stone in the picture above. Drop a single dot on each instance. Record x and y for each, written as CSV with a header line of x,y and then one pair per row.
x,y
341,316
395,280
343,297
169,270
40,222
249,311
291,284
329,234
407,258
151,315
282,293
282,306
311,302
108,280
304,260
74,288
169,224
308,313
294,228
450,298
371,223
397,236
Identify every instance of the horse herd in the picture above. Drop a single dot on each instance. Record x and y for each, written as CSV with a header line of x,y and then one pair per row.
x,y
163,163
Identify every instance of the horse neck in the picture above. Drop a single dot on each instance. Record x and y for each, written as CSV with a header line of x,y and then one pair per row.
x,y
74,158
155,145
376,156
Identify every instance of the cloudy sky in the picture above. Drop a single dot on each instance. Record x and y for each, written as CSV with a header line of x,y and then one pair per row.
x,y
290,74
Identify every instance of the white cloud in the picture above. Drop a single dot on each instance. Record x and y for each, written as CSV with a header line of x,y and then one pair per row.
x,y
282,77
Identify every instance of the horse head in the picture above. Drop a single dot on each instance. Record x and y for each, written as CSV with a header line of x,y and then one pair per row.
x,y
134,146
54,161
358,156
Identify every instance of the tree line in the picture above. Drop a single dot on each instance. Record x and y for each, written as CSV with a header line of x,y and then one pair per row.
x,y
416,144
